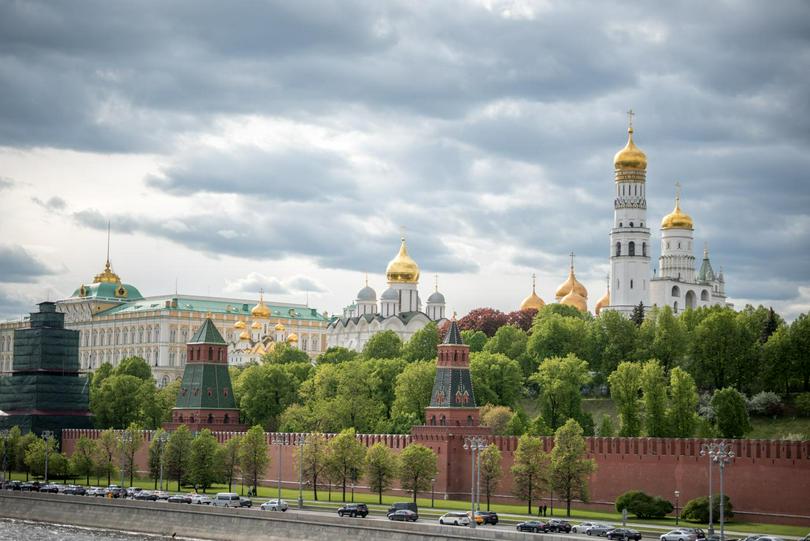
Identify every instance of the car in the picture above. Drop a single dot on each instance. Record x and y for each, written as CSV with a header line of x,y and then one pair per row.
x,y
405,515
95,491
30,487
479,520
559,525
754,537
146,495
226,499
490,517
534,526
582,526
625,534
179,498
76,490
353,510
162,494
200,499
455,518
679,535
700,534
411,506
770,538
53,489
114,491
598,529
245,502
281,505
13,485
132,491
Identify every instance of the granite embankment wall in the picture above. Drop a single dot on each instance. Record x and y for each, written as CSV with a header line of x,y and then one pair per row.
x,y
767,481
204,522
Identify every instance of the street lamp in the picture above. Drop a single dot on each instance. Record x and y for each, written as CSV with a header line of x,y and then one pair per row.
x,y
4,437
721,454
705,449
47,435
677,515
432,492
280,441
126,437
474,444
162,439
300,440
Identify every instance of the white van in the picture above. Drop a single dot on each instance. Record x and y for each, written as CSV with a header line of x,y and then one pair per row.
x,y
226,499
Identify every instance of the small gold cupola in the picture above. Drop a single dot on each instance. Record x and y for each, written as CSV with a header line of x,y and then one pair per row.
x,y
533,301
677,219
260,310
402,269
630,157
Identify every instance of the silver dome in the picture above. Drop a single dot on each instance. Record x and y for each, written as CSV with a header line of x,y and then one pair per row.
x,y
367,294
436,298
390,294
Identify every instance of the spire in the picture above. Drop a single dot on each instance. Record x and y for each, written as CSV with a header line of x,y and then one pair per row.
x,y
705,250
572,262
435,282
453,334
534,282
630,115
107,275
366,279
108,244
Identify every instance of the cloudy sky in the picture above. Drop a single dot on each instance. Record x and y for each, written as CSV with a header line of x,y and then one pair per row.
x,y
283,145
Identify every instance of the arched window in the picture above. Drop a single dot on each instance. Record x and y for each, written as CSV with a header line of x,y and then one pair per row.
x,y
641,224
469,420
631,224
676,292
443,421
704,295
618,248
632,248
432,419
226,419
210,419
644,249
631,283
210,353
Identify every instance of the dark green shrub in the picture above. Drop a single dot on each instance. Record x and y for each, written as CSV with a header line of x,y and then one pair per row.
x,y
643,505
697,510
802,404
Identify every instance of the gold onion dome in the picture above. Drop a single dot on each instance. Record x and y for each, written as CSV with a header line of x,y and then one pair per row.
x,y
279,327
677,219
630,157
239,325
261,309
256,325
292,338
576,300
532,301
571,284
244,336
602,303
402,268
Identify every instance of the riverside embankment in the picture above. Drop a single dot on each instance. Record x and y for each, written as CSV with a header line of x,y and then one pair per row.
x,y
204,522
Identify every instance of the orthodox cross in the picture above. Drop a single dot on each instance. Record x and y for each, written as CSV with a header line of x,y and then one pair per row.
x,y
534,281
572,260
630,115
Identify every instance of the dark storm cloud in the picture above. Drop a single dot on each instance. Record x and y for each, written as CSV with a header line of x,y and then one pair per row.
x,y
17,265
720,90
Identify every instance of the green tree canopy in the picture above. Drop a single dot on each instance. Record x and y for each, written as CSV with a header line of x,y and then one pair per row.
x,y
509,340
228,459
178,454
83,460
475,339
423,344
315,455
490,470
417,468
337,355
346,456
204,470
107,449
554,335
134,366
613,339
683,400
560,380
383,345
496,378
570,469
530,469
284,354
662,336
654,398
730,413
625,383
266,390
412,392
253,459
382,467
497,418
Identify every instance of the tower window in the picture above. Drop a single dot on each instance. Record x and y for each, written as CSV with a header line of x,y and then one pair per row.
x,y
631,284
632,249
618,248
621,224
644,249
679,246
631,224
641,224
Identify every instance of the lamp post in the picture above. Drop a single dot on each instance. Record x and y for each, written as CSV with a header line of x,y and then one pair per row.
x,y
4,437
125,439
300,440
677,515
721,454
474,444
705,449
162,439
280,441
432,492
47,435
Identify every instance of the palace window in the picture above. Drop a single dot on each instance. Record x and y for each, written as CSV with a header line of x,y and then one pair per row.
x,y
632,247
618,248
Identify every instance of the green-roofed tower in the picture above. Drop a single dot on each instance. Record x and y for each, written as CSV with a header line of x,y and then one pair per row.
x,y
205,398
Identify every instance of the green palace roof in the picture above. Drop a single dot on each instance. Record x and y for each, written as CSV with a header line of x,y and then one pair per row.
x,y
108,290
191,303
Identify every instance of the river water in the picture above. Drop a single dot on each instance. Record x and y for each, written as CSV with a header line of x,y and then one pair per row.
x,y
17,530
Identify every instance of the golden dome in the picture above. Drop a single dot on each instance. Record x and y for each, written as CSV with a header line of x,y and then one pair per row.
x,y
402,268
279,327
239,325
601,303
256,325
571,284
107,275
677,219
244,336
292,338
576,300
630,157
260,310
532,301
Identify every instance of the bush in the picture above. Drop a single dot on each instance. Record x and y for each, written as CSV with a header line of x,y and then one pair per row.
x,y
802,404
766,403
697,510
731,413
643,505
606,429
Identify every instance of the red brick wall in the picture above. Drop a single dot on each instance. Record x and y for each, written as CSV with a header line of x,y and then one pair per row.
x,y
766,481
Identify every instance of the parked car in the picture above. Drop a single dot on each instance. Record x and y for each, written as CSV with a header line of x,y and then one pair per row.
x,y
179,498
226,499
700,534
479,520
770,538
598,529
559,525
146,495
582,527
76,490
12,485
624,534
200,499
133,491
162,494
405,515
411,506
455,518
53,489
679,535
534,526
114,491
277,505
245,502
353,510
489,517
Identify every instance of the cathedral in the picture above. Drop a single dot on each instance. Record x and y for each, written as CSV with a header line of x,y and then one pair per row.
x,y
676,283
399,308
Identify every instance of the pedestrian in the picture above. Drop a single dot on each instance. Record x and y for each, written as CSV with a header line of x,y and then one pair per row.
x,y
545,510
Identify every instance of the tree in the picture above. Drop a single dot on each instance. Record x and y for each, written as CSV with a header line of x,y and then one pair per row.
x,y
486,320
115,405
570,469
178,453
625,383
800,343
413,389
606,429
336,355
253,458
385,373
654,398
697,510
130,443
83,460
381,468
497,418
228,459
490,469
35,458
134,366
730,413
683,402
554,335
613,339
637,316
383,345
530,470
107,448
720,349
496,378
423,344
157,453
662,336
203,467
522,319
518,424
475,339
346,456
417,468
315,459
643,505
560,380
24,442
266,390
11,446
508,340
